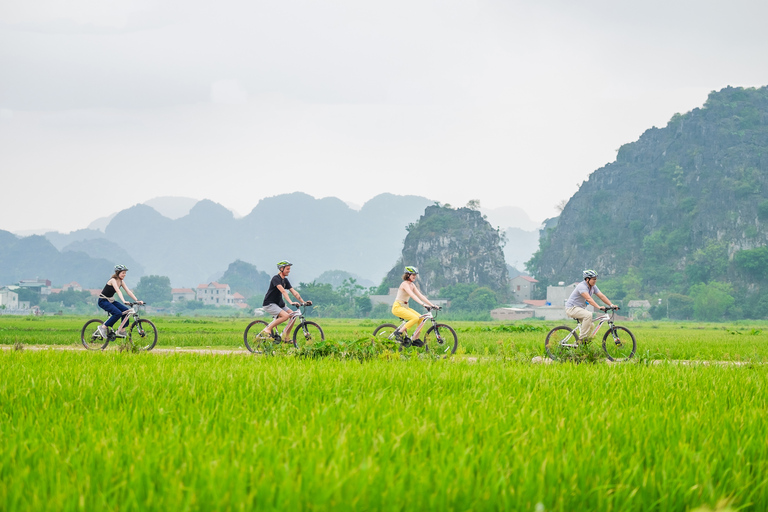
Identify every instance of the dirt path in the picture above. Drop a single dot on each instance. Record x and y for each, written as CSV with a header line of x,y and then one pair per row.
x,y
244,352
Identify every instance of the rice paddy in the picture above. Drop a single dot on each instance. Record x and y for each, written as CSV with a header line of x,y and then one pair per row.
x,y
484,430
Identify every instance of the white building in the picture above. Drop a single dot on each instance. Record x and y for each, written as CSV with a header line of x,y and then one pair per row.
x,y
9,298
215,294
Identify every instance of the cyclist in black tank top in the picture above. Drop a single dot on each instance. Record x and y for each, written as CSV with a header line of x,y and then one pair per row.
x,y
108,304
274,304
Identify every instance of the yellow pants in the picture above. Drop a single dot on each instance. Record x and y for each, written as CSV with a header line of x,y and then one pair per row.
x,y
402,311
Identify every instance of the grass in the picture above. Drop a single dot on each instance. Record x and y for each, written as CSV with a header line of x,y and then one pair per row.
x,y
522,340
184,431
134,432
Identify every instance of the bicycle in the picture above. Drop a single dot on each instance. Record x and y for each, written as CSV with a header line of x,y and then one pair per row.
x,y
305,332
618,342
145,330
440,339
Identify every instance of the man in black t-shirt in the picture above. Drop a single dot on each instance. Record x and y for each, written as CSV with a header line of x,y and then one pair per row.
x,y
274,304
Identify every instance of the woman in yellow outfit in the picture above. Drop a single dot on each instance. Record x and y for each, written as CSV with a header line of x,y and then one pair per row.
x,y
400,308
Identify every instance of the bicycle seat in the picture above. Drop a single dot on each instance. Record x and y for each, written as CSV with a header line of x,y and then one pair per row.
x,y
402,319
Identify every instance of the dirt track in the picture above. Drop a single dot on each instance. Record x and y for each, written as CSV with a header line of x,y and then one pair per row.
x,y
244,352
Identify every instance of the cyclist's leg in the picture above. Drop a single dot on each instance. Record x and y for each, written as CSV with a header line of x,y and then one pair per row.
x,y
412,317
113,308
292,315
419,328
585,320
279,315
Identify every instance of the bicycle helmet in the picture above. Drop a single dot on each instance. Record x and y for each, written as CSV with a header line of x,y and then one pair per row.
x,y
411,270
120,268
282,264
588,274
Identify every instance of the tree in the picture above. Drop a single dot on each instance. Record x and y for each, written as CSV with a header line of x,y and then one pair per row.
x,y
71,298
482,300
680,306
321,294
711,301
154,289
753,262
349,289
246,279
363,305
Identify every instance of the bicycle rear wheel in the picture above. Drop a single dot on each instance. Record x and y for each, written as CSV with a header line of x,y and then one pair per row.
x,y
307,333
91,337
143,334
557,341
619,344
384,337
254,341
441,340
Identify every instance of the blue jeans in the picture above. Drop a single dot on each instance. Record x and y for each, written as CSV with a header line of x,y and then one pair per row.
x,y
116,309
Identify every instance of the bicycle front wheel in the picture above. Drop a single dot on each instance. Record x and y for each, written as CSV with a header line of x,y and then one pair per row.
x,y
441,340
307,333
143,334
91,337
619,344
254,341
558,343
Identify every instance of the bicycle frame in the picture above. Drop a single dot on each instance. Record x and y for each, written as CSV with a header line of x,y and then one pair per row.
x,y
605,317
423,320
291,322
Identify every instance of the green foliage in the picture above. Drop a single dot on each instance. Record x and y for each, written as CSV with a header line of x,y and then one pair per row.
x,y
628,286
154,289
70,298
708,263
482,299
711,301
363,306
245,279
762,210
504,328
680,306
32,295
753,262
322,295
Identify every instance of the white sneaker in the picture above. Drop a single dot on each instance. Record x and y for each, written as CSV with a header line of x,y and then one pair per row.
x,y
120,334
102,331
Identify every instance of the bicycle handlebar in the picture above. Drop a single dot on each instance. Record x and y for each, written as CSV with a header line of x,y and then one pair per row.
x,y
609,308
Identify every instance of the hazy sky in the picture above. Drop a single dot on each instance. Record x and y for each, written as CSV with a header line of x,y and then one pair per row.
x,y
105,104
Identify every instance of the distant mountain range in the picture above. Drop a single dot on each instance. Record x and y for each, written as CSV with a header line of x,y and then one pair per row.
x,y
194,242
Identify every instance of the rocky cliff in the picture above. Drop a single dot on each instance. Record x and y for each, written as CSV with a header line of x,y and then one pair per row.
x,y
451,246
676,207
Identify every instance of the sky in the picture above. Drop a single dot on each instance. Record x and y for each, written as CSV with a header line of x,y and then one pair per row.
x,y
106,104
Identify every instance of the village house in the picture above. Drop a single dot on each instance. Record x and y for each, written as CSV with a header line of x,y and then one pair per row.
x,y
523,287
215,294
9,298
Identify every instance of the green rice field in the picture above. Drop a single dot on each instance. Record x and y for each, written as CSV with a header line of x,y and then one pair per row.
x,y
483,430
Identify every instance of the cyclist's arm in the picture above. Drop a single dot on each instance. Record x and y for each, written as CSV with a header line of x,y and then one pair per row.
x,y
285,295
604,298
129,292
296,294
590,300
417,296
